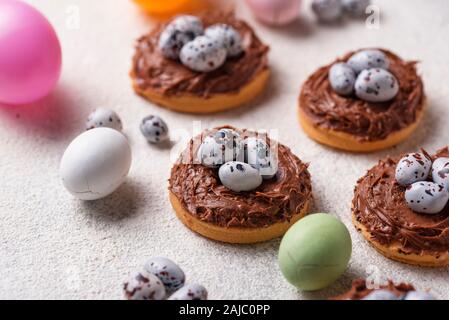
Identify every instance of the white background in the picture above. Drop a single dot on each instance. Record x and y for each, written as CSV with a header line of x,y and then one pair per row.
x,y
53,246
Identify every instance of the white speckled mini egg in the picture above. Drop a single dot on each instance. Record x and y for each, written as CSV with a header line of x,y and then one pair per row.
x,y
95,163
368,59
203,54
376,85
381,294
327,10
239,176
228,36
258,155
144,286
426,197
180,31
190,292
167,271
412,168
355,8
103,117
342,79
418,295
154,129
222,146
440,172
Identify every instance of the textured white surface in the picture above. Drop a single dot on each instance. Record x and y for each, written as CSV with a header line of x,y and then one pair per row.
x,y
53,246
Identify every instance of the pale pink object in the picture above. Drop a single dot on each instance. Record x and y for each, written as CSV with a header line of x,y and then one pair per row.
x,y
30,54
275,12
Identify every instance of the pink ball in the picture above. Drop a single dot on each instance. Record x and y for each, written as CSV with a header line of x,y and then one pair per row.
x,y
30,54
275,12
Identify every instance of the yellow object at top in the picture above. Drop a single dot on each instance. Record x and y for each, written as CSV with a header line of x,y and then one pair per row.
x,y
168,8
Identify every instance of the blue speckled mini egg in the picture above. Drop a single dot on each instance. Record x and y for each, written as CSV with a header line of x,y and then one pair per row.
x,y
355,8
418,295
381,294
144,286
327,10
368,59
167,271
342,79
426,197
154,129
440,172
376,85
258,155
222,146
203,54
190,292
103,117
239,176
228,36
412,168
178,32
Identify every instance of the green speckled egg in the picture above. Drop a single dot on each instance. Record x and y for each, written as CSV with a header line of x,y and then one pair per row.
x,y
315,252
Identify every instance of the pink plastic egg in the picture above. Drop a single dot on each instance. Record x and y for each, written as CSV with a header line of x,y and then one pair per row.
x,y
30,54
275,12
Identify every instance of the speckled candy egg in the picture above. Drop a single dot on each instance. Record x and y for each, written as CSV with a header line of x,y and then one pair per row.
x,y
167,271
418,295
223,146
368,59
327,10
412,168
315,251
381,294
342,79
228,36
103,117
426,197
440,172
239,176
190,292
258,155
355,8
144,286
376,85
154,129
180,31
203,54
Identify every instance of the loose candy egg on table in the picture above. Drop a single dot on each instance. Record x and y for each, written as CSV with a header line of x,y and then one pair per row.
x,y
203,54
103,117
368,59
376,85
342,79
223,146
190,292
412,168
440,172
30,54
327,10
418,295
167,271
355,8
179,32
144,286
426,197
228,36
315,252
239,176
95,163
275,12
154,129
258,155
381,294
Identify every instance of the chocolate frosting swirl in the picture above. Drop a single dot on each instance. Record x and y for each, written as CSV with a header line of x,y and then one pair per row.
x,y
151,70
359,290
379,204
367,121
201,193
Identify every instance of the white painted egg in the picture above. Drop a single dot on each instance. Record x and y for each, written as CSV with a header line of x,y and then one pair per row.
x,y
95,163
